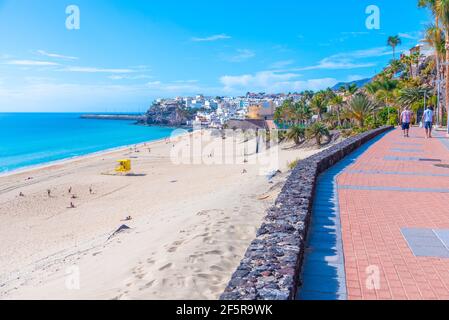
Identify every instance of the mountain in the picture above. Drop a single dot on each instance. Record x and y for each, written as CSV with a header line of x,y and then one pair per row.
x,y
359,83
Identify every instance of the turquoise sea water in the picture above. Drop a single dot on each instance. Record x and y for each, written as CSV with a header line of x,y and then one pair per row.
x,y
28,139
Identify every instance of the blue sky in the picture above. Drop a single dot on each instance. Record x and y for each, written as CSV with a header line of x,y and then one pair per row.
x,y
129,52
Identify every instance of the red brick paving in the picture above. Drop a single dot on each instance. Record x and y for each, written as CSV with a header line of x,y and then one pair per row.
x,y
372,221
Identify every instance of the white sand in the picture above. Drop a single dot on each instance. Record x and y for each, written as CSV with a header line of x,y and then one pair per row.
x,y
191,225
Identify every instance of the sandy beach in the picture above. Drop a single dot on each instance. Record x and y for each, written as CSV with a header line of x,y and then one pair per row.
x,y
191,222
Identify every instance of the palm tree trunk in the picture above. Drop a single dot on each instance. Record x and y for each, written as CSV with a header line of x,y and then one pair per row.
x,y
437,82
447,70
338,116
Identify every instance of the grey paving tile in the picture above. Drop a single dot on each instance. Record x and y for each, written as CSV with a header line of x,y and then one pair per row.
x,y
426,242
417,232
407,150
443,235
394,158
431,252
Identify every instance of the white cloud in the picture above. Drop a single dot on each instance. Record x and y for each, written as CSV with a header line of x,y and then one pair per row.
x,y
416,35
96,70
240,56
31,63
186,81
366,53
337,64
355,77
258,80
129,77
272,81
347,60
176,87
212,38
55,55
355,33
281,64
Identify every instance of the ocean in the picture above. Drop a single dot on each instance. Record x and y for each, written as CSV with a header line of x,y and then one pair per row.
x,y
29,139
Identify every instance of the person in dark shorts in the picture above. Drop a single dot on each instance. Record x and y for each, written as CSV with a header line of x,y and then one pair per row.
x,y
406,117
427,120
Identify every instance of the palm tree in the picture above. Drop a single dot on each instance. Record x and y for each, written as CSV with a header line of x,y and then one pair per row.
x,y
434,37
372,88
306,96
302,113
442,11
398,65
318,130
296,133
337,101
284,114
319,104
432,5
410,96
387,92
359,107
393,42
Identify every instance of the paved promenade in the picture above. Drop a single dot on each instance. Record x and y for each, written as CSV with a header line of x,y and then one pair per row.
x,y
394,212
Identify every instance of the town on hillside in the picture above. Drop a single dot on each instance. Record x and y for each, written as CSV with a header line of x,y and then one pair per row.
x,y
261,110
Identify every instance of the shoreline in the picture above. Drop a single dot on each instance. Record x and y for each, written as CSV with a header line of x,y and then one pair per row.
x,y
189,229
81,157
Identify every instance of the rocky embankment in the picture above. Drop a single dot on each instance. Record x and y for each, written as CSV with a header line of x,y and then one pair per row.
x,y
174,116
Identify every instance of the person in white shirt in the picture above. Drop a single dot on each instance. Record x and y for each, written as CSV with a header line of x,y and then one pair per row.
x,y
427,120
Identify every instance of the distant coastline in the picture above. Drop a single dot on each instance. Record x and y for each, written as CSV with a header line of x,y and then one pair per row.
x,y
141,120
126,117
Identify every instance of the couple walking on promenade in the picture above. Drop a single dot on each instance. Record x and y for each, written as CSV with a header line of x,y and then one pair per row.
x,y
426,121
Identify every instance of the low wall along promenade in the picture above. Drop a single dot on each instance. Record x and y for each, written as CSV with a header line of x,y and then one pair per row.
x,y
272,264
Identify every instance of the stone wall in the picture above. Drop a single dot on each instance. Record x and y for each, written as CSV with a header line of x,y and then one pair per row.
x,y
272,264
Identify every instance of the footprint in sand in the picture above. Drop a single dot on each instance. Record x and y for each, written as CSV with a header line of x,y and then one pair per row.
x,y
195,258
207,212
165,267
147,285
214,252
201,236
175,245
216,268
139,276
209,241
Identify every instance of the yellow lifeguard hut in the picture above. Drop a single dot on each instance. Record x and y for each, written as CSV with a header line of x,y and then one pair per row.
x,y
124,166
